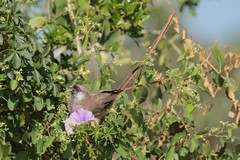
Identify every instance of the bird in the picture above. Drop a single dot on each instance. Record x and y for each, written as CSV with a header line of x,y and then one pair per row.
x,y
98,102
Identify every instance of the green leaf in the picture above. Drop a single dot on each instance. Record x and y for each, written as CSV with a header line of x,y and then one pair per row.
x,y
9,57
83,4
68,152
122,152
237,150
141,94
37,22
46,50
188,109
25,54
12,102
206,148
55,90
81,60
16,61
106,31
193,145
36,75
27,97
40,48
35,134
38,103
178,137
22,119
1,39
54,67
5,150
140,155
170,153
22,155
113,38
202,132
231,84
218,54
13,84
40,149
96,84
48,142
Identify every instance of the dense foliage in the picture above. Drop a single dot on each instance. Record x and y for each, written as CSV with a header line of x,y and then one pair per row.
x,y
40,58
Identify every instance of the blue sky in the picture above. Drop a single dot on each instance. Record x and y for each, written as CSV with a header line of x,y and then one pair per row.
x,y
215,19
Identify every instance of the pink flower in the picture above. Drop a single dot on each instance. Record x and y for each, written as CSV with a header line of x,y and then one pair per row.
x,y
79,116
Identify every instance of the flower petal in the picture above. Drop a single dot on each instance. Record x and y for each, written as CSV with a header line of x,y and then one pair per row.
x,y
80,115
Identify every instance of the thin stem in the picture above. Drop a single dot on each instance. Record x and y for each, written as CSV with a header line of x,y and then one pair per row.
x,y
73,19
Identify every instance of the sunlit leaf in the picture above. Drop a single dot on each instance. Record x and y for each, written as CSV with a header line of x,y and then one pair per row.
x,y
5,150
231,84
218,54
170,153
13,84
37,22
38,103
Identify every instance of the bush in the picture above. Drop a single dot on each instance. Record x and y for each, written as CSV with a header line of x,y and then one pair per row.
x,y
41,58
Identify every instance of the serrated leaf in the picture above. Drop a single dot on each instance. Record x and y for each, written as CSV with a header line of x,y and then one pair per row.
x,y
13,84
112,38
82,60
232,84
218,54
96,84
37,22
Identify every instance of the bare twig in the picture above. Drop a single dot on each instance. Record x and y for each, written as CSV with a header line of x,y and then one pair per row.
x,y
73,19
134,73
